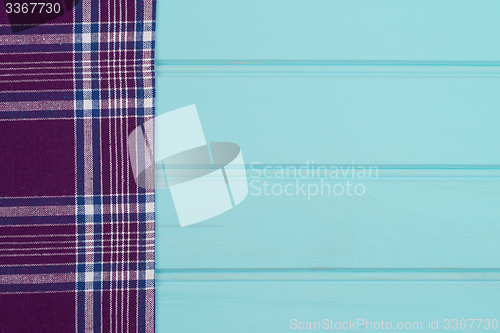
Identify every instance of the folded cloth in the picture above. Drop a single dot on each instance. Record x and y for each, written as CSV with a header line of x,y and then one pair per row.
x,y
76,232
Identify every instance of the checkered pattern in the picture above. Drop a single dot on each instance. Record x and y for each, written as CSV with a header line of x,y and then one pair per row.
x,y
76,232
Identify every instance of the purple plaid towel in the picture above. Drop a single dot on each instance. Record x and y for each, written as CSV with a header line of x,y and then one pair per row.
x,y
76,232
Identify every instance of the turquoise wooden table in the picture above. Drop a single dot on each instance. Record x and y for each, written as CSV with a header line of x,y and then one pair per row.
x,y
410,89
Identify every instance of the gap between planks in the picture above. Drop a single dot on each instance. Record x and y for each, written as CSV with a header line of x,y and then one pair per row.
x,y
325,68
328,275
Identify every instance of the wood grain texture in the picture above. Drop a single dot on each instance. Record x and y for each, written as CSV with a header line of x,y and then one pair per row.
x,y
269,307
424,30
410,87
398,223
408,120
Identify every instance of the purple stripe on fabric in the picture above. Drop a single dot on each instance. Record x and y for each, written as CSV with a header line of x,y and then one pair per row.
x,y
47,312
38,238
36,259
40,287
37,158
37,115
37,269
46,29
36,39
33,230
8,59
37,211
34,220
34,96
35,48
63,106
37,201
25,246
31,85
36,77
36,70
39,252
37,278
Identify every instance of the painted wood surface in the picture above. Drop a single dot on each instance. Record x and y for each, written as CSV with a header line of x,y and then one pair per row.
x,y
270,306
398,223
431,135
387,30
409,87
366,117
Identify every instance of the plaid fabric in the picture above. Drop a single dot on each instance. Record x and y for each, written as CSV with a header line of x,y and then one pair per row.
x,y
76,232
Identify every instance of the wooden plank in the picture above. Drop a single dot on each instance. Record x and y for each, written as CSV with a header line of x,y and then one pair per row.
x,y
341,118
399,222
316,68
326,275
390,30
272,307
